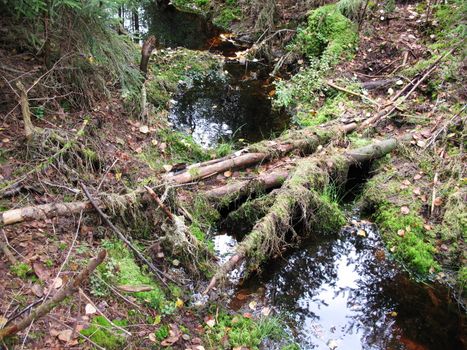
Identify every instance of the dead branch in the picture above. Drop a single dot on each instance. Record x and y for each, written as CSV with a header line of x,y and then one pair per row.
x,y
70,288
158,273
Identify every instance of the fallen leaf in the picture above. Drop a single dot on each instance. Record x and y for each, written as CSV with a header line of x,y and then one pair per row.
x,y
58,282
211,322
405,210
438,201
361,233
266,311
152,337
417,191
38,290
421,143
135,288
3,321
417,177
252,305
179,303
90,309
393,314
247,315
167,167
175,262
406,182
41,271
144,129
427,227
401,233
65,335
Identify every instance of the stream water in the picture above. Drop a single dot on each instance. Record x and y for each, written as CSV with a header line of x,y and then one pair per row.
x,y
344,292
338,292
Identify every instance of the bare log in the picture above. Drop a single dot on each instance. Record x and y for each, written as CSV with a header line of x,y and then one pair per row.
x,y
300,192
70,288
305,140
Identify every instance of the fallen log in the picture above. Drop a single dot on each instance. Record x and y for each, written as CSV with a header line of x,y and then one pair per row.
x,y
51,210
305,140
245,188
299,193
70,288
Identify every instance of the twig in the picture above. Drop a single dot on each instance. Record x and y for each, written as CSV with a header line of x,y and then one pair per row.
x,y
70,288
159,203
120,235
11,258
433,196
66,258
105,174
334,86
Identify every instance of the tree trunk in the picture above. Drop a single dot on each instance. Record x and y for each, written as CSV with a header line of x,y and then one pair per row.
x,y
148,47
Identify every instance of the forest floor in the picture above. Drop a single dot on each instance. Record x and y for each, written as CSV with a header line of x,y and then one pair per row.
x,y
417,196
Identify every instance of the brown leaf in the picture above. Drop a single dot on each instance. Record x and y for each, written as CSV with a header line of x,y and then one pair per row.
x,y
41,271
417,177
65,335
438,201
406,182
135,288
38,290
401,233
417,191
405,210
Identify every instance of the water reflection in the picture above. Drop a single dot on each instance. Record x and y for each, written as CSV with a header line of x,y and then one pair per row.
x,y
344,293
235,106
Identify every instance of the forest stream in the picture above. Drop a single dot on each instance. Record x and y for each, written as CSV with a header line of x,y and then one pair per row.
x,y
340,291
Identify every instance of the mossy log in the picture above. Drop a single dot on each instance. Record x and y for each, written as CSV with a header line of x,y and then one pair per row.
x,y
248,187
305,140
299,195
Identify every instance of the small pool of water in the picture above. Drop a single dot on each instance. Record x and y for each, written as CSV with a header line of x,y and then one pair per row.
x,y
345,293
232,107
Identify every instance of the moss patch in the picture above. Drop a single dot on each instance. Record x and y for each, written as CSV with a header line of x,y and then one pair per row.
x,y
103,333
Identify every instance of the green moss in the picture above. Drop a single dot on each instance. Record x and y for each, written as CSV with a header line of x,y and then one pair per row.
x,y
236,331
179,148
328,37
162,332
22,270
230,11
412,248
121,269
194,6
104,334
358,141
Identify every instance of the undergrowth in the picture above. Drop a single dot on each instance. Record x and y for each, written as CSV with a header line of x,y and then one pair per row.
x,y
328,37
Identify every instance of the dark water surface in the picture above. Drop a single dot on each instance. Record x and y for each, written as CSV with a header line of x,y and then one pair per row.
x,y
236,106
344,293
